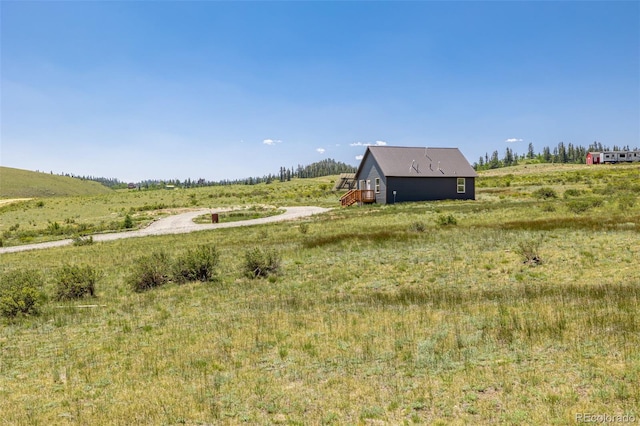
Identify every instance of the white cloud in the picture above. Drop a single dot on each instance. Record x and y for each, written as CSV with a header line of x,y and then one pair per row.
x,y
512,140
359,157
271,141
320,150
380,143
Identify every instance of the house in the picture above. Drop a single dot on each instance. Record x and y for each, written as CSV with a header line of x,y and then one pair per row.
x,y
389,174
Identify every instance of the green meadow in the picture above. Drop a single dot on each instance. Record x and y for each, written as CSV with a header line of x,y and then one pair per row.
x,y
518,308
32,220
18,183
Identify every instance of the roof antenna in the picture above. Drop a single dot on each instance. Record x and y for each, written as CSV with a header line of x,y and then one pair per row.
x,y
411,166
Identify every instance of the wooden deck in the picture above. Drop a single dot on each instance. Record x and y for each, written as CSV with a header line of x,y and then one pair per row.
x,y
358,196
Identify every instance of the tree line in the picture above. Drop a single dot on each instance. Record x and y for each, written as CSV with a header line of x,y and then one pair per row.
x,y
561,153
326,167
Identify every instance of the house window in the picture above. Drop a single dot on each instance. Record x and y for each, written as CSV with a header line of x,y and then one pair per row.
x,y
377,185
461,185
361,184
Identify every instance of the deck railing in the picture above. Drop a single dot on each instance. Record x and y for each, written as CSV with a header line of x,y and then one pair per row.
x,y
358,196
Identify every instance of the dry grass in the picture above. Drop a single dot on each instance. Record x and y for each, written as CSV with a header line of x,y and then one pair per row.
x,y
368,321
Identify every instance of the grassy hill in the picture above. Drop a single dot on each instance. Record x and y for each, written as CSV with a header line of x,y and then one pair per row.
x,y
517,308
17,183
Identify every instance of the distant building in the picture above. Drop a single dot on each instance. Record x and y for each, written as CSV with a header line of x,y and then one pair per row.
x,y
613,157
390,174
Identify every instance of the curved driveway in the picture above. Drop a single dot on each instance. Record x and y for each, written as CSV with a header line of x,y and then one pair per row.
x,y
178,224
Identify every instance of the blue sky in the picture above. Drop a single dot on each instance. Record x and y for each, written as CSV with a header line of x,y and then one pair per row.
x,y
165,90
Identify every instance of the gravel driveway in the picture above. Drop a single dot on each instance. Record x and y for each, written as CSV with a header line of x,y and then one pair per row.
x,y
178,224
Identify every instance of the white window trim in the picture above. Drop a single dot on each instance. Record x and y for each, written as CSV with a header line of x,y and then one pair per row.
x,y
462,185
377,185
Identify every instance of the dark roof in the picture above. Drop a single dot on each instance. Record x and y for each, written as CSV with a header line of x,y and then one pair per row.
x,y
400,161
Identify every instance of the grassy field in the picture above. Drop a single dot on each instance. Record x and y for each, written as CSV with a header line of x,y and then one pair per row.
x,y
413,313
53,218
255,212
17,183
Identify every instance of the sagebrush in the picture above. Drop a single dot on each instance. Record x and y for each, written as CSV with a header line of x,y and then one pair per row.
x,y
150,271
21,293
197,264
75,282
261,262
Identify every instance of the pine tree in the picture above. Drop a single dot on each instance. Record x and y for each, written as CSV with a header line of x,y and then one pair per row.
x,y
530,153
494,163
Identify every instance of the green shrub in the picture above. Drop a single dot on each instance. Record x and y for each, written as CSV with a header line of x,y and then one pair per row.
x,y
261,262
446,220
54,228
198,264
128,222
529,251
150,271
572,193
418,227
582,205
82,241
545,193
626,201
304,228
547,207
20,293
75,282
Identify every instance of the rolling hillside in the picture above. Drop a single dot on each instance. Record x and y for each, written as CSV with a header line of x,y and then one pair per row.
x,y
17,183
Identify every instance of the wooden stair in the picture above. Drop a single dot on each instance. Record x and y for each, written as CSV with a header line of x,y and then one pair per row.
x,y
357,196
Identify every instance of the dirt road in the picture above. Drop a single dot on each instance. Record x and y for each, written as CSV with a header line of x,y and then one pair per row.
x,y
178,224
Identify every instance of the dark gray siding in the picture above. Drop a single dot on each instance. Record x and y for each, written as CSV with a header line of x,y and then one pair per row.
x,y
428,189
370,171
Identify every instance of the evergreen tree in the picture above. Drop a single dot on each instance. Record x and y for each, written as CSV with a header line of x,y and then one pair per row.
x,y
508,157
562,153
494,163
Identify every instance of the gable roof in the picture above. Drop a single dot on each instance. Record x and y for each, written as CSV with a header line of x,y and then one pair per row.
x,y
400,161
